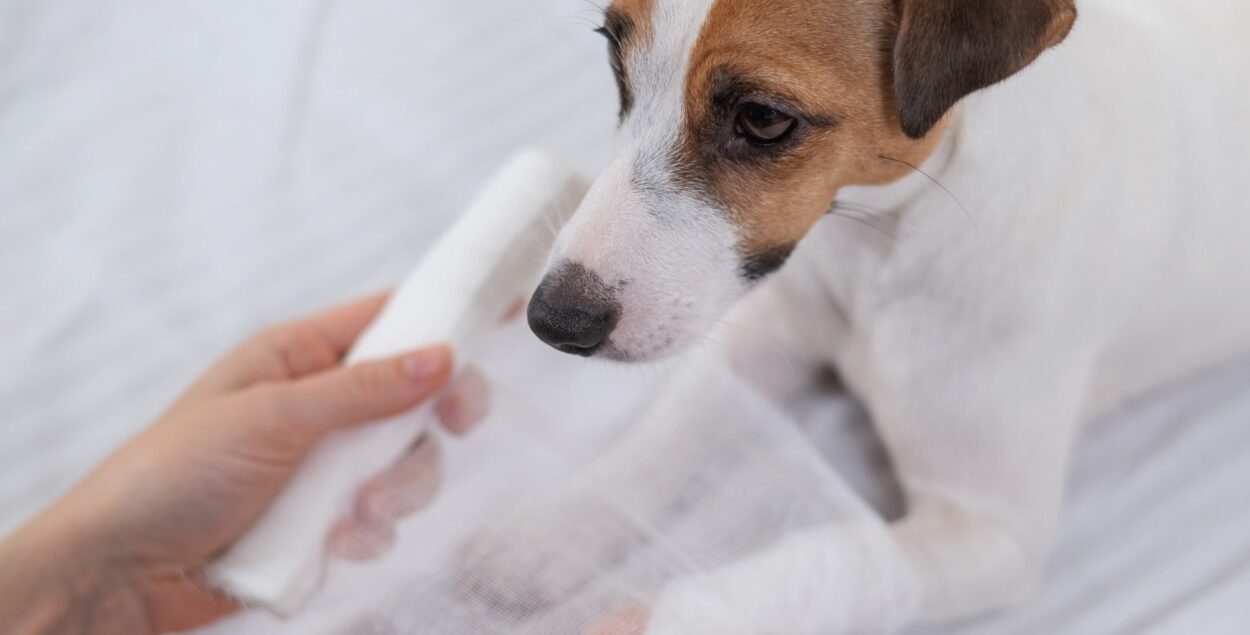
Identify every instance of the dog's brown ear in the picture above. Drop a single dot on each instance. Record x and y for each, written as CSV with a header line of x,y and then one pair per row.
x,y
947,49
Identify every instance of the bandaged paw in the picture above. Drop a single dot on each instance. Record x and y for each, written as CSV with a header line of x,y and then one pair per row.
x,y
701,605
846,574
543,553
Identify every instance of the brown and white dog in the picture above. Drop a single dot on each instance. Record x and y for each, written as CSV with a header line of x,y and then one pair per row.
x,y
1059,222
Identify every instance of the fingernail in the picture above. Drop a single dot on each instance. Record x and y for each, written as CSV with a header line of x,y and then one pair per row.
x,y
424,364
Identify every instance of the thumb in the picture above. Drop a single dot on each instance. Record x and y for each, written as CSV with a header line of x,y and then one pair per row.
x,y
364,392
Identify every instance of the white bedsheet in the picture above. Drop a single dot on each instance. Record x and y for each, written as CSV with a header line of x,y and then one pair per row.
x,y
175,174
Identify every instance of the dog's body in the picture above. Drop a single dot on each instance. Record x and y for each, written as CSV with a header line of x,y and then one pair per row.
x,y
1084,238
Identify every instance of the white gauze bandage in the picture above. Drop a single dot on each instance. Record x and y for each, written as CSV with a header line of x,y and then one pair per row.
x,y
491,257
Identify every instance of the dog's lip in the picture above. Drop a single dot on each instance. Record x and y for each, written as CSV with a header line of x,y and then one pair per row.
x,y
605,351
572,349
621,355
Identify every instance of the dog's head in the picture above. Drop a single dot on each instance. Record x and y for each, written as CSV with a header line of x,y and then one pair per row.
x,y
740,121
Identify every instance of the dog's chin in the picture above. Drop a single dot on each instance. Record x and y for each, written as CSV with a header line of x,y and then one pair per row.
x,y
621,355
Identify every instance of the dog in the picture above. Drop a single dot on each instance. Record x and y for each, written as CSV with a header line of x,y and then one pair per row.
x,y
1053,220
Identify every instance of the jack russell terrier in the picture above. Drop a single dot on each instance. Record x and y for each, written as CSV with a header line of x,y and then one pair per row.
x,y
1059,221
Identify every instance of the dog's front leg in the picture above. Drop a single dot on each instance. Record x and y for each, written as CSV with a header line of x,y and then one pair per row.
x,y
980,436
650,477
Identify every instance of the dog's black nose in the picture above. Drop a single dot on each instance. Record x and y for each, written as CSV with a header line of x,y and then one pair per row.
x,y
573,310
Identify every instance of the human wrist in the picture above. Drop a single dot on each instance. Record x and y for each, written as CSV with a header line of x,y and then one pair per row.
x,y
65,579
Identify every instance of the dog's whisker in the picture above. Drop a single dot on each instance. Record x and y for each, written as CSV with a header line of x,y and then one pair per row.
x,y
937,183
598,7
591,18
861,207
718,321
837,211
781,352
597,24
886,217
863,213
580,21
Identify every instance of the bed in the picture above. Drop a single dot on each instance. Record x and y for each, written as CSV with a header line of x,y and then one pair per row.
x,y
177,174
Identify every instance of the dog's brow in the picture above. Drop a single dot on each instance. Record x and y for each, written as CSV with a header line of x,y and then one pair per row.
x,y
619,29
730,87
617,26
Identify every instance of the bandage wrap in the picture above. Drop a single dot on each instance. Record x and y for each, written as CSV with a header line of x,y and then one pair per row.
x,y
467,280
549,519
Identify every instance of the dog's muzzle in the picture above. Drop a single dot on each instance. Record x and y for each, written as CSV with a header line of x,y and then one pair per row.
x,y
573,310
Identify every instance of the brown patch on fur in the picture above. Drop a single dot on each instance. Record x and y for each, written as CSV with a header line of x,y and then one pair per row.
x,y
640,13
948,49
829,61
834,64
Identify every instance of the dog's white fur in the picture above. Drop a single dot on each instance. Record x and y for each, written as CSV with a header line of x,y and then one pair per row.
x,y
661,256
1104,252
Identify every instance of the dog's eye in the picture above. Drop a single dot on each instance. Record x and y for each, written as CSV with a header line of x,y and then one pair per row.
x,y
762,124
617,62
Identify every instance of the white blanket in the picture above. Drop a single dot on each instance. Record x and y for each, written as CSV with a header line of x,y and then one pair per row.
x,y
175,174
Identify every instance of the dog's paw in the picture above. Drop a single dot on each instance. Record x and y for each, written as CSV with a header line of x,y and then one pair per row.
x,y
696,605
530,561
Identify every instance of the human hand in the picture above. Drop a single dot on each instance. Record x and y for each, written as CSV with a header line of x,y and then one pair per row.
x,y
120,553
623,619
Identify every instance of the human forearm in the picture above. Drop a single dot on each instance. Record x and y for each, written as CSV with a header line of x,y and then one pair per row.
x,y
54,579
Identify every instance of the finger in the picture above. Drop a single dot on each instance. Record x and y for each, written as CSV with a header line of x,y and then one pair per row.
x,y
623,619
291,350
357,394
360,540
342,326
406,487
465,402
313,344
